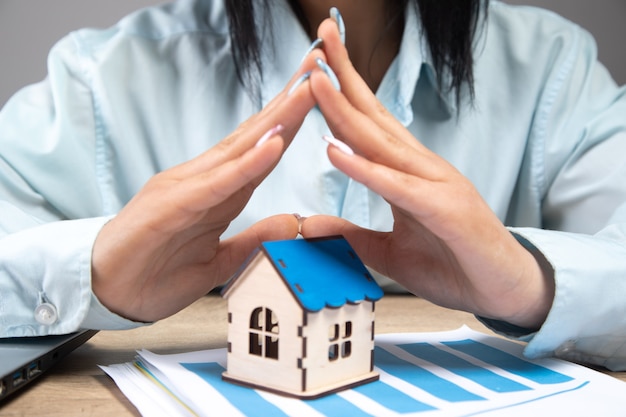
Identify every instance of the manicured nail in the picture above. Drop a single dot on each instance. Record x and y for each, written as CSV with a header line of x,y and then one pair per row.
x,y
329,72
273,131
317,43
336,16
338,144
298,82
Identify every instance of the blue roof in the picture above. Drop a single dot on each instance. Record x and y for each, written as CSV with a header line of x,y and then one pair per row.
x,y
322,272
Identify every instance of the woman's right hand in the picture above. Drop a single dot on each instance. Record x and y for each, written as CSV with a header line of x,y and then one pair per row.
x,y
163,250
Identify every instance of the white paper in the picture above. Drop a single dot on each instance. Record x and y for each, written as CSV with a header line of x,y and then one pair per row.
x,y
458,373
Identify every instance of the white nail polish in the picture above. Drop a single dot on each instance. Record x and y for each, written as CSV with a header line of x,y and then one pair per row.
x,y
317,43
338,144
336,16
273,131
298,82
329,73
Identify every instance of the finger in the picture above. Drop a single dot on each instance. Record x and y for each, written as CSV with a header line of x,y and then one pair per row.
x,y
368,244
219,193
287,110
358,117
352,84
354,87
281,104
210,188
235,250
368,138
298,79
411,193
440,206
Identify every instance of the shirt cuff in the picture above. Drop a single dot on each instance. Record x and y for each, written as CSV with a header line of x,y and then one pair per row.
x,y
509,330
582,324
101,318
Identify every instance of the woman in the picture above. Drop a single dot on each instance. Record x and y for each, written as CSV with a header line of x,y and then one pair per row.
x,y
491,128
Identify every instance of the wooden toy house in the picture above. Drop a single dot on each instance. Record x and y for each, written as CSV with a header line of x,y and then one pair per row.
x,y
301,319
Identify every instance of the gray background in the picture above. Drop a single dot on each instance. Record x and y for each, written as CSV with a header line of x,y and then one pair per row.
x,y
29,28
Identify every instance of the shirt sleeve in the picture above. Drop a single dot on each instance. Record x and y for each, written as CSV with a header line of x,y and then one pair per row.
x,y
51,204
584,323
46,281
578,146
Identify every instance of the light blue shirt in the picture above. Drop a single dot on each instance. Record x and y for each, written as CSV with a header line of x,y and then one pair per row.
x,y
544,143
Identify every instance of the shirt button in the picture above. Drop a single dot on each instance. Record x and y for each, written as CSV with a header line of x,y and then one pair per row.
x,y
46,314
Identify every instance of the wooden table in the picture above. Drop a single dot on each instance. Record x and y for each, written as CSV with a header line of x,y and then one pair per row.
x,y
77,387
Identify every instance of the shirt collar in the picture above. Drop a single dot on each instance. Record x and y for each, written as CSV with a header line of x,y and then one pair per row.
x,y
413,65
285,42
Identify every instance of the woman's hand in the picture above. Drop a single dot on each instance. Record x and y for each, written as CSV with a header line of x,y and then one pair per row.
x,y
163,250
446,244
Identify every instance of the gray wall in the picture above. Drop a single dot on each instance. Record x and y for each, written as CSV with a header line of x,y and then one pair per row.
x,y
29,28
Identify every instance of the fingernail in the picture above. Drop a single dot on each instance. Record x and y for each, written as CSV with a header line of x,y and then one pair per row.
x,y
317,43
298,82
273,131
329,72
338,144
336,16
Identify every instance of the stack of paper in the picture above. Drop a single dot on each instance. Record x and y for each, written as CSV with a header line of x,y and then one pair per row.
x,y
458,373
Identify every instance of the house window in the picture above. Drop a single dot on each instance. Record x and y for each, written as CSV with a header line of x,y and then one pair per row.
x,y
340,344
264,333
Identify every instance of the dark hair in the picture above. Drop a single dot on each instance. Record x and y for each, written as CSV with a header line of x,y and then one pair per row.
x,y
449,27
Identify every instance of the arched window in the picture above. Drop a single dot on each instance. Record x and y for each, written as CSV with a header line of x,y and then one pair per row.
x,y
264,333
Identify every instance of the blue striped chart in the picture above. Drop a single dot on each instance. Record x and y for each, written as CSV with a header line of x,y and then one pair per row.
x,y
417,378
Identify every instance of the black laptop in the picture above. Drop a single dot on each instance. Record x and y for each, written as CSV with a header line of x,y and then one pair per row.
x,y
23,359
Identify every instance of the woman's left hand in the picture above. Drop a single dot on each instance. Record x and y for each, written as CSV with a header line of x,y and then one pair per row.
x,y
446,245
